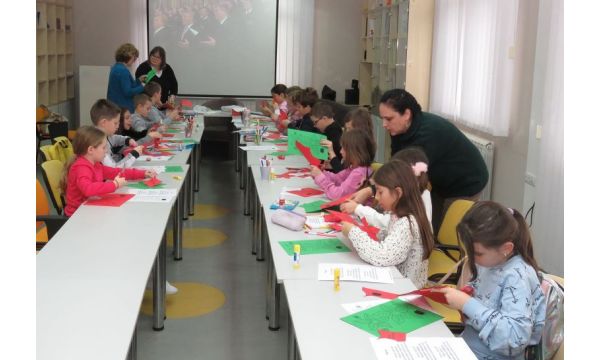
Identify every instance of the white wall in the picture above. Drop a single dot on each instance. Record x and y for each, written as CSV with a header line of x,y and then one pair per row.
x,y
336,51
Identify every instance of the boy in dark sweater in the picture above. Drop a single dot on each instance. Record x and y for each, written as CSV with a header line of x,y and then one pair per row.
x,y
305,103
322,118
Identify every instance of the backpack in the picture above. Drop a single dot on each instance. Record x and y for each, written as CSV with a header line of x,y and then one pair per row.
x,y
553,331
61,150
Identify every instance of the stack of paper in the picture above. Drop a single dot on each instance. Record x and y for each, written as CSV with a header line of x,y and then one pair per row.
x,y
350,272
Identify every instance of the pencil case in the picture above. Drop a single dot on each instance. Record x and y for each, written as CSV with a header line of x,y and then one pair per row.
x,y
288,219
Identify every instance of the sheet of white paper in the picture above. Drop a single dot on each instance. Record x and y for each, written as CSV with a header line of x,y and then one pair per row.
x,y
235,108
153,158
422,348
158,169
355,307
350,272
258,147
152,195
316,222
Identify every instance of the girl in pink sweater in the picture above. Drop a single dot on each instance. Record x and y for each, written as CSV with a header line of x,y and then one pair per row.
x,y
85,175
358,152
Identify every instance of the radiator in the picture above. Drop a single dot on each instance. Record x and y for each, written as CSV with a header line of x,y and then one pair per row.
x,y
486,149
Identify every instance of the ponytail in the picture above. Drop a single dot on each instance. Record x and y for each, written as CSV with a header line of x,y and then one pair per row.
x,y
491,225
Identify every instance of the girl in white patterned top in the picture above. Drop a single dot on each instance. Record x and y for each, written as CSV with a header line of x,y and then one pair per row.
x,y
405,239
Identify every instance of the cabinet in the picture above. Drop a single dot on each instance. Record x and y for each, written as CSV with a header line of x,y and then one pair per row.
x,y
396,49
54,51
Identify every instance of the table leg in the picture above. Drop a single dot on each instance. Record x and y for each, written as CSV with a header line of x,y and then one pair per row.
x,y
251,197
132,354
178,229
268,283
197,162
237,152
263,237
159,287
244,169
274,296
257,229
185,198
292,348
190,192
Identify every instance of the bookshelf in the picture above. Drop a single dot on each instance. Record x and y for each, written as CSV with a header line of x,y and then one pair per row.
x,y
396,49
54,51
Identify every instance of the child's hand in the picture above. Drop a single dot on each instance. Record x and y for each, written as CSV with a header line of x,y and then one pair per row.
x,y
139,149
348,207
346,227
150,173
132,143
154,134
456,299
315,171
143,78
361,195
119,181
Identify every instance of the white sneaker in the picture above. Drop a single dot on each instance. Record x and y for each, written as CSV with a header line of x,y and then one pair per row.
x,y
171,289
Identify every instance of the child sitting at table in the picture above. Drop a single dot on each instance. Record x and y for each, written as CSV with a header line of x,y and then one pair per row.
x,y
359,118
405,239
105,116
125,129
153,90
304,103
417,159
322,117
507,310
85,176
357,151
279,104
140,120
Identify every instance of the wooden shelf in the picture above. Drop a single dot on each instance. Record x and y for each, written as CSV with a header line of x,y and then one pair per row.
x,y
54,51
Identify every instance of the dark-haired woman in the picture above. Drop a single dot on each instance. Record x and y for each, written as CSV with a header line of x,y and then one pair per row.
x,y
165,76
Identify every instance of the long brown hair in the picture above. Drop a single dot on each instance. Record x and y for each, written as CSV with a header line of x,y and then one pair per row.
x,y
398,173
85,137
359,148
413,155
491,225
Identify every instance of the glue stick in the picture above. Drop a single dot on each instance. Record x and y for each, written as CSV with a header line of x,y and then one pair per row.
x,y
296,256
336,279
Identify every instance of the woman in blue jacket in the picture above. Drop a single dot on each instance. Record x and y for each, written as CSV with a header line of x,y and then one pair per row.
x,y
122,87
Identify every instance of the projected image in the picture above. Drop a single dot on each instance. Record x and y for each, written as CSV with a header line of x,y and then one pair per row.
x,y
217,47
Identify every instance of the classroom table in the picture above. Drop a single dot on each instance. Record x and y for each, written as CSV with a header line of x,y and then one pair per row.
x,y
279,263
91,277
315,328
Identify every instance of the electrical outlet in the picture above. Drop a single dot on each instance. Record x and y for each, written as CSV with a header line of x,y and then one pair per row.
x,y
530,179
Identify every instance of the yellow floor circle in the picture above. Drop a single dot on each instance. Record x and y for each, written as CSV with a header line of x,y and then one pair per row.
x,y
196,238
192,299
208,211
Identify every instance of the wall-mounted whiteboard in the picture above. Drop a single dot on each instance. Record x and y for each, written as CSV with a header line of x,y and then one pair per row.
x,y
93,83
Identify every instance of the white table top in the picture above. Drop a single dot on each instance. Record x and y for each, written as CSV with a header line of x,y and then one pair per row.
x,y
268,192
91,278
316,311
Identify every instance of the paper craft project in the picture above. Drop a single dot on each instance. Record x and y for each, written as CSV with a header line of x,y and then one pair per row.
x,y
152,182
312,247
167,135
173,168
150,75
308,139
314,222
112,199
307,154
152,195
426,292
186,103
174,131
306,192
395,316
392,335
340,216
314,206
142,185
372,231
336,202
154,158
149,152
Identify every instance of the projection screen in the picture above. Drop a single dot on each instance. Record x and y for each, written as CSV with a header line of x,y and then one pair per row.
x,y
217,47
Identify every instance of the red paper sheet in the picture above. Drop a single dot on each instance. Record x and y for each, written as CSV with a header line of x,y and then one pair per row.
x,y
157,153
392,335
336,202
305,150
379,293
186,103
271,135
112,199
426,292
166,135
306,192
343,217
152,182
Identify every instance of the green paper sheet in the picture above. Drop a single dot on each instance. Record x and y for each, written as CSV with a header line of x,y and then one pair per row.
x,y
394,315
279,153
307,138
150,75
312,247
185,141
174,131
141,185
314,206
173,168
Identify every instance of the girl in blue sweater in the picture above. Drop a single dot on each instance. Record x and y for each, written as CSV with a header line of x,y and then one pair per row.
x,y
507,311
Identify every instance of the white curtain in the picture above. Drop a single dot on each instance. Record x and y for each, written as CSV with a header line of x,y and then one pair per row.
x,y
137,28
295,42
472,62
548,220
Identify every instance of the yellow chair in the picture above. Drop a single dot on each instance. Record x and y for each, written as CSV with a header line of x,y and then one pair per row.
x,y
52,171
45,151
61,150
375,166
46,225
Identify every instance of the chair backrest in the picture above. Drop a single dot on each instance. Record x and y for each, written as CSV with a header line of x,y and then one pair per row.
x,y
52,173
447,234
375,166
41,202
553,332
61,150
45,150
